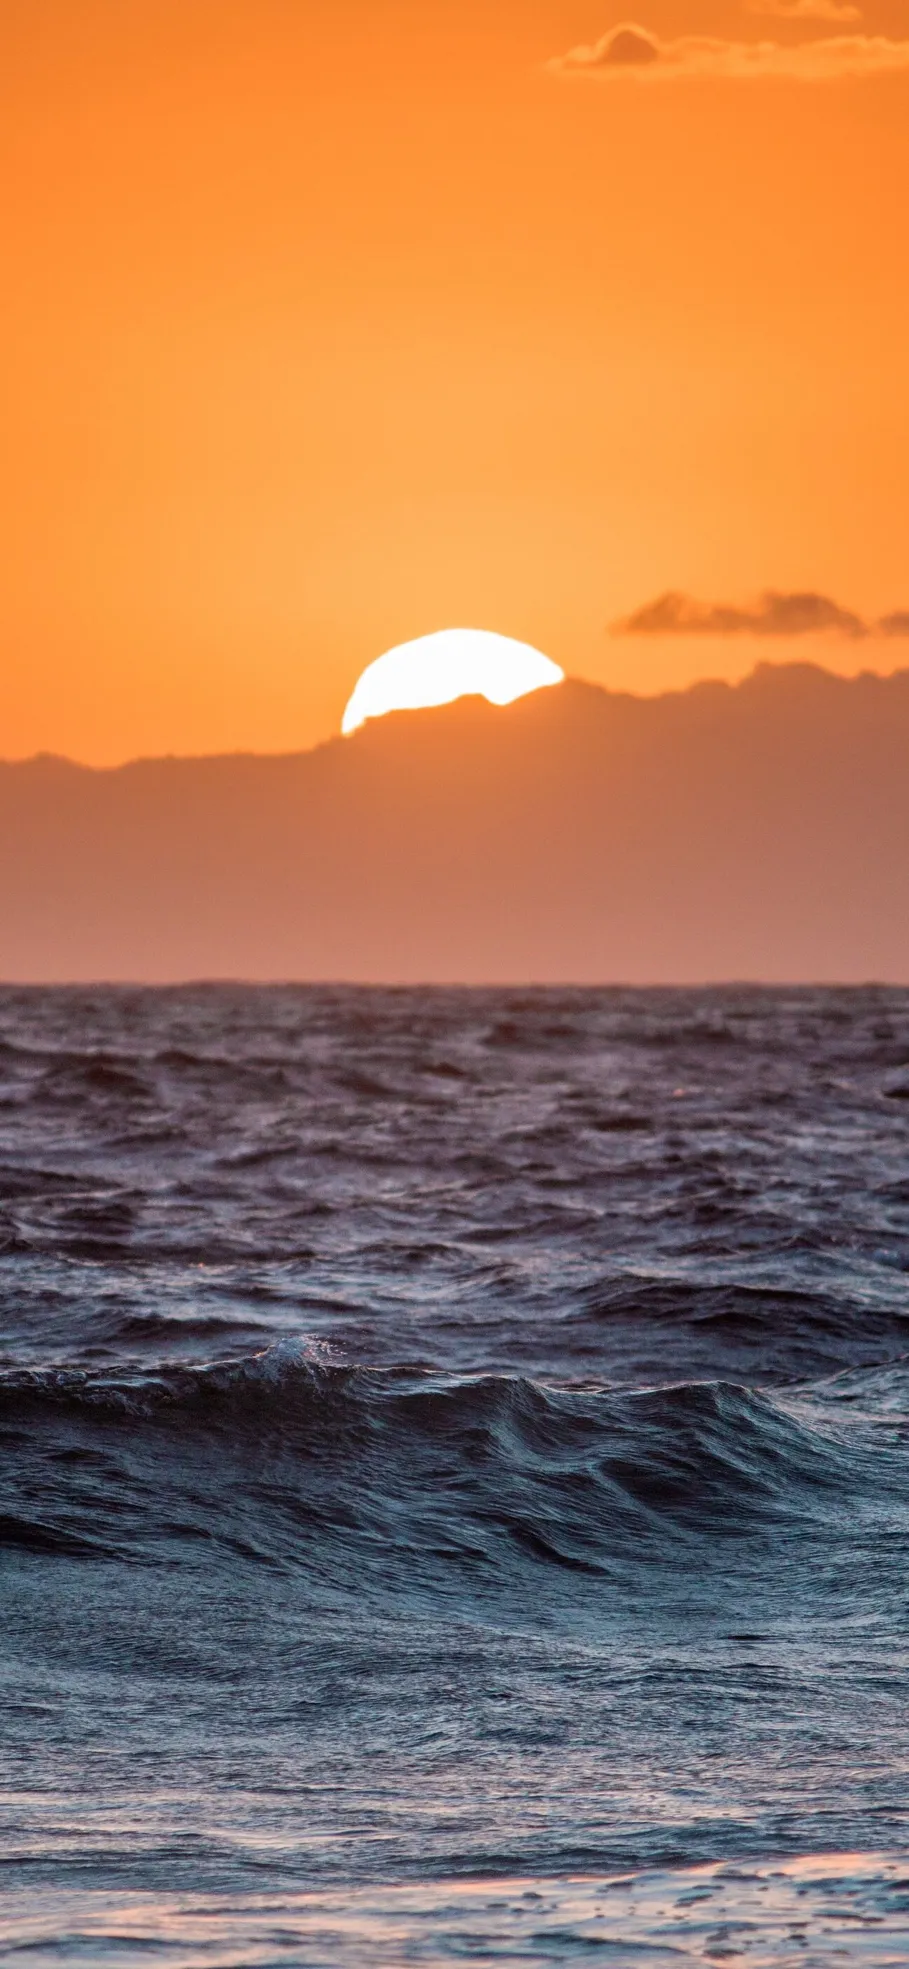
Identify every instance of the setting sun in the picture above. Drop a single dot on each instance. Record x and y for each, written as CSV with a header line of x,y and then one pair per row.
x,y
450,664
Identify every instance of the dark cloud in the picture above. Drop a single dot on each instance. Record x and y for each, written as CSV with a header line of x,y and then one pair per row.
x,y
772,614
633,52
896,624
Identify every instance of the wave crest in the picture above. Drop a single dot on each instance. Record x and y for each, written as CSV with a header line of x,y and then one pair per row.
x,y
377,1479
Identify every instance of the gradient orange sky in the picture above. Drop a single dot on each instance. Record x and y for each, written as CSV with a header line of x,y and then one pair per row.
x,y
328,323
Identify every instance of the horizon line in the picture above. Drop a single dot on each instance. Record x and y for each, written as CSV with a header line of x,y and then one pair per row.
x,y
237,982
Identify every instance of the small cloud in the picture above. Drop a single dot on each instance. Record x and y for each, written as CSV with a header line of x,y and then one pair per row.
x,y
896,624
626,47
806,10
633,52
772,614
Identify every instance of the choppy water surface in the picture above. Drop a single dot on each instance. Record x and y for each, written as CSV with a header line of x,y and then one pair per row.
x,y
454,1475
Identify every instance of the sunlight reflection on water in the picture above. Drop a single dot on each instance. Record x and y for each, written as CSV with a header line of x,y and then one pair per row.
x,y
816,1909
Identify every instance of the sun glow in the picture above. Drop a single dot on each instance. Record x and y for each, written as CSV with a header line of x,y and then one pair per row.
x,y
450,664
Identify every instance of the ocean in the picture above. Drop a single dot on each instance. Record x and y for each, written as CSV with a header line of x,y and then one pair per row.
x,y
454,1450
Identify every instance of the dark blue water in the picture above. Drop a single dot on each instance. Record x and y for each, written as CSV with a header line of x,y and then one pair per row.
x,y
454,1475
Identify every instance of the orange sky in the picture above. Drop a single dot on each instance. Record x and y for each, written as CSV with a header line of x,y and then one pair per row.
x,y
332,322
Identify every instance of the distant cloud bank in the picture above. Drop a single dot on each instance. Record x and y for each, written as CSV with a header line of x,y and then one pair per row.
x,y
632,52
773,614
805,10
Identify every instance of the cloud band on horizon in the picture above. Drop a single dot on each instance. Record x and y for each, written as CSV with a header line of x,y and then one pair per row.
x,y
806,10
773,614
630,52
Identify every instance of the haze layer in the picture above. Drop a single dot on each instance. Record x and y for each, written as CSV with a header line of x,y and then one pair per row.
x,y
753,832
